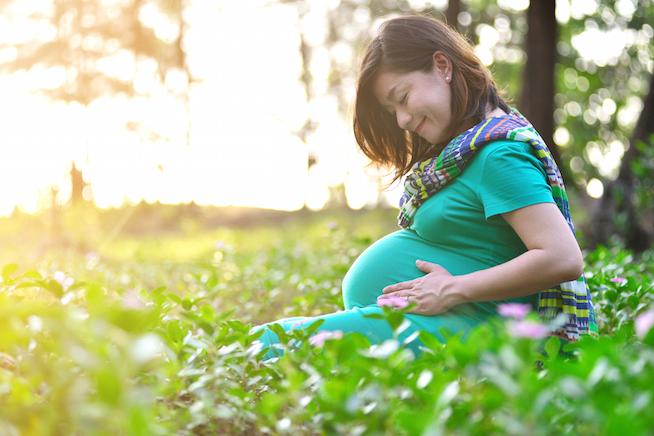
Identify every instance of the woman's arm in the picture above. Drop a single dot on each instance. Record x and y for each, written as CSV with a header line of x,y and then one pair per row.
x,y
553,256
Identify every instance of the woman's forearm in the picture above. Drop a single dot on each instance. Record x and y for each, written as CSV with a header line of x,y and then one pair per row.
x,y
531,272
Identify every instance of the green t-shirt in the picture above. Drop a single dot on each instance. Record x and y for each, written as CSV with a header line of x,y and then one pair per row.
x,y
459,228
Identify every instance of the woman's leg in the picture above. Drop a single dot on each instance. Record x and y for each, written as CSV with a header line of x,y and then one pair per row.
x,y
376,330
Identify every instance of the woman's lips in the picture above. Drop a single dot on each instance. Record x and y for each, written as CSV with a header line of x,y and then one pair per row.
x,y
420,126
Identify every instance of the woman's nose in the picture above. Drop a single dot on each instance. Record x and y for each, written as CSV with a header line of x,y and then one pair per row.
x,y
403,119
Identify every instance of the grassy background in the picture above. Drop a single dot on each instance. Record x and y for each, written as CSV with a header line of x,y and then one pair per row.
x,y
136,321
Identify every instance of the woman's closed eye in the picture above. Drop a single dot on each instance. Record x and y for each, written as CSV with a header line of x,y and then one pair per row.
x,y
404,97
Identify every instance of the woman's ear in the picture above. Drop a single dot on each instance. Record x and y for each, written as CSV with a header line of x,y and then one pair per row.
x,y
442,65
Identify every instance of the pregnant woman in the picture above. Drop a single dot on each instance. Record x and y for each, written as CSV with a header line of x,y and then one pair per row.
x,y
484,215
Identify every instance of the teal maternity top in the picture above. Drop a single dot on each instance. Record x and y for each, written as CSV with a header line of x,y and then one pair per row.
x,y
459,228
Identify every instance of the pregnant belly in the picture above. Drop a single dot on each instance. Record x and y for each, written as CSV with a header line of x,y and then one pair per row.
x,y
392,259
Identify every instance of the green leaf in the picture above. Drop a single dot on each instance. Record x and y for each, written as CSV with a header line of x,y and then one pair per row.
x,y
138,423
8,271
109,386
374,316
187,303
552,347
279,331
33,274
311,329
174,297
54,286
430,341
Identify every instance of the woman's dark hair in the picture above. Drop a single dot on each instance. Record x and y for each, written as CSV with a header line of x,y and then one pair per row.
x,y
404,45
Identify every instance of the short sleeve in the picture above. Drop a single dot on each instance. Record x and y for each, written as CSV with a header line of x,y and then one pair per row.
x,y
512,178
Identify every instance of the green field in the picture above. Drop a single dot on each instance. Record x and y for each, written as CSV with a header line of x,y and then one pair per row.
x,y
136,321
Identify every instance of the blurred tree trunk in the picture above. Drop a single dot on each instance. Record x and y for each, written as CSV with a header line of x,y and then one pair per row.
x,y
307,79
177,56
77,185
54,229
537,99
452,13
620,195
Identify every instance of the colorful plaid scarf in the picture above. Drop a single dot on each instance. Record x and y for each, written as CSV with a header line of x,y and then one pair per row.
x,y
429,176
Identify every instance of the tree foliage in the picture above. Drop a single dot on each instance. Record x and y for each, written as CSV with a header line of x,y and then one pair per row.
x,y
90,44
604,56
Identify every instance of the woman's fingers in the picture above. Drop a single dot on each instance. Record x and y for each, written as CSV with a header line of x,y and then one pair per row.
x,y
398,286
399,294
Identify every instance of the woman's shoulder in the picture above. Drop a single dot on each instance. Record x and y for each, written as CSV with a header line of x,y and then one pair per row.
x,y
503,145
505,158
500,147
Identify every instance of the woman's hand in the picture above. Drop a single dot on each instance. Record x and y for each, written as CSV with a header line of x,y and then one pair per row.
x,y
433,293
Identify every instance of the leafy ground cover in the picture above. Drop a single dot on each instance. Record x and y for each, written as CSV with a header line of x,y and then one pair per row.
x,y
150,335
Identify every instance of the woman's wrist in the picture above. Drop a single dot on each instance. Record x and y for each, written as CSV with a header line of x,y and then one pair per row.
x,y
454,291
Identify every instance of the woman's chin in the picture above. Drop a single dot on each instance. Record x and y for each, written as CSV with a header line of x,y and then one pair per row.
x,y
431,137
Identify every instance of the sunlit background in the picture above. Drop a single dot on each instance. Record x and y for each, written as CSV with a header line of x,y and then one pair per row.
x,y
235,134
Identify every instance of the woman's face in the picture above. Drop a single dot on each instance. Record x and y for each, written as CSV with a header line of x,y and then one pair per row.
x,y
420,101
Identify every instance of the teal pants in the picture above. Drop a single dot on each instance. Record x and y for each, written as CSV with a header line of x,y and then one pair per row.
x,y
376,330
460,319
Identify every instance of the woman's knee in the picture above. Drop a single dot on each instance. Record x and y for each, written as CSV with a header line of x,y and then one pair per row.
x,y
268,341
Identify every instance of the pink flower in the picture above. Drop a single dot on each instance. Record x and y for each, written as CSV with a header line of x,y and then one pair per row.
x,y
299,323
619,280
529,329
514,310
644,323
131,300
92,259
392,301
319,338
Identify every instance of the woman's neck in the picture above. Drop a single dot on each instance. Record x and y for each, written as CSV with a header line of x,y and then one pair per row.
x,y
496,112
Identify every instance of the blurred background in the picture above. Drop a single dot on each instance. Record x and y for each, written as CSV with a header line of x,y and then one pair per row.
x,y
143,113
